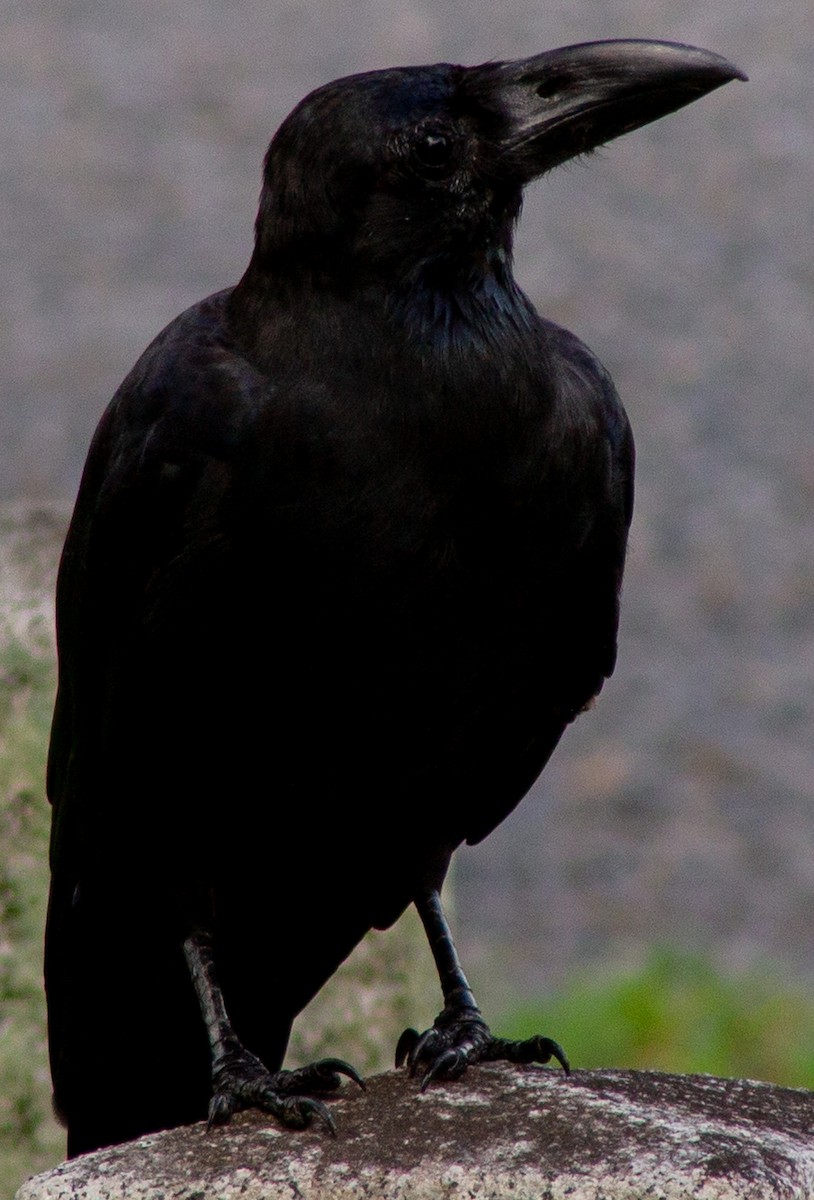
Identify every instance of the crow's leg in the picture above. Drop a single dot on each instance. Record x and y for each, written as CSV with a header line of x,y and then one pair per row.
x,y
239,1078
460,1035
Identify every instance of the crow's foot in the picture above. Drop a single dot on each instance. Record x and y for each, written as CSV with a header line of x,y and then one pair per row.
x,y
241,1081
461,1036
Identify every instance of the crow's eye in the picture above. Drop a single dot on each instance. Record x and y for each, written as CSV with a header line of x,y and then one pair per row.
x,y
433,154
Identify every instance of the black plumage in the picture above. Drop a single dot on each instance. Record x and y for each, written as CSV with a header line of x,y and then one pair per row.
x,y
345,562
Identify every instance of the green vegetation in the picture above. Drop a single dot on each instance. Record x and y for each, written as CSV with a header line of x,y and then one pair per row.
x,y
30,1139
677,1012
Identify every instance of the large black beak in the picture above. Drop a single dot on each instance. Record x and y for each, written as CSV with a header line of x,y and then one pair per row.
x,y
546,109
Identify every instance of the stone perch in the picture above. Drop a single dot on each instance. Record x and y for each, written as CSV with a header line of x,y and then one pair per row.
x,y
521,1133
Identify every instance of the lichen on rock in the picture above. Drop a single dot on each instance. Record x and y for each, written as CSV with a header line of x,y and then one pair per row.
x,y
525,1133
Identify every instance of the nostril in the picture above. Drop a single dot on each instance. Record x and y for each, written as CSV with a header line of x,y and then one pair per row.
x,y
549,88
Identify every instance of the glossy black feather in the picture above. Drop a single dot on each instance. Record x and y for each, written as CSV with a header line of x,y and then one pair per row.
x,y
345,562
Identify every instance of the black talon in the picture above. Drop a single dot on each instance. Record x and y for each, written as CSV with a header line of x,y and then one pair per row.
x,y
406,1045
556,1051
297,1112
220,1110
532,1050
449,1065
338,1066
310,1108
422,1049
323,1076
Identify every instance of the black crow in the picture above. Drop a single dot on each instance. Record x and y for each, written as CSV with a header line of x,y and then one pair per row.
x,y
345,563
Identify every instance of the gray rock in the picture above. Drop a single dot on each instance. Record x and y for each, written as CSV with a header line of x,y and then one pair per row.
x,y
528,1134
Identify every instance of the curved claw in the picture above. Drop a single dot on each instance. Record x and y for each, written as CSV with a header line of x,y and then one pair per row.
x,y
338,1066
534,1049
299,1111
451,1064
221,1108
323,1076
556,1051
422,1049
405,1045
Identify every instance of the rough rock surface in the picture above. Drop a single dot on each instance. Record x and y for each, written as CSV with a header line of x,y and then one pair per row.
x,y
528,1133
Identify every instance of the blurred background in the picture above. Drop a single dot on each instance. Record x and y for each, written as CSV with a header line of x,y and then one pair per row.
x,y
652,901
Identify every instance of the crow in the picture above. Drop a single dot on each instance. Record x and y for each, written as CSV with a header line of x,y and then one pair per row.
x,y
345,562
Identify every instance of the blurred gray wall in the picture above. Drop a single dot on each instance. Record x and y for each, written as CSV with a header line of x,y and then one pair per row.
x,y
682,809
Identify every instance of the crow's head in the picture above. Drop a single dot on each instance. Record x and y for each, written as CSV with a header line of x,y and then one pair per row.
x,y
393,169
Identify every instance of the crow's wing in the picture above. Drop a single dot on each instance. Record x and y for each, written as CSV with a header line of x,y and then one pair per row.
x,y
579,618
145,538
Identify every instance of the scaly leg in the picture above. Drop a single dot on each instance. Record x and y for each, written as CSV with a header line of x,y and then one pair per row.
x,y
460,1035
239,1078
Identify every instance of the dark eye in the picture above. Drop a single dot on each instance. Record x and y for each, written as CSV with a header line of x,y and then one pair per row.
x,y
433,153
